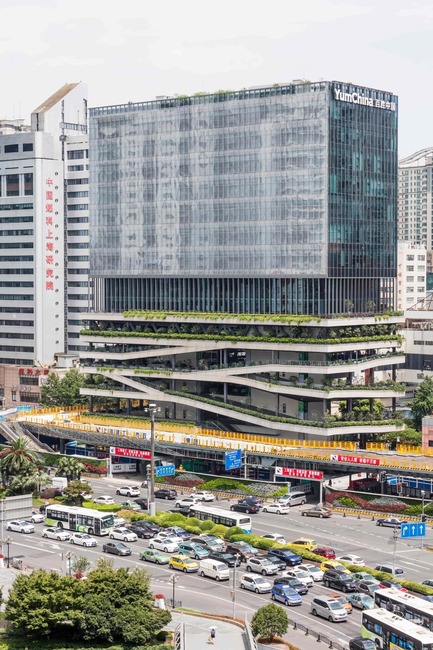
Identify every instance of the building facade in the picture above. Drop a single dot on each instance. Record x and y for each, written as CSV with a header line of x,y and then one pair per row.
x,y
415,205
271,201
38,172
411,274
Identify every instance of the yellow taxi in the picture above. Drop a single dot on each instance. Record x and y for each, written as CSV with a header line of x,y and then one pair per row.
x,y
305,542
183,563
335,565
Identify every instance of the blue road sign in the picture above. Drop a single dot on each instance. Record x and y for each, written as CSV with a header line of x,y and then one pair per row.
x,y
164,470
233,459
413,529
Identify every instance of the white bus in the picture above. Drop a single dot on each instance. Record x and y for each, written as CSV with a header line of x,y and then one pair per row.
x,y
82,520
412,608
220,516
391,632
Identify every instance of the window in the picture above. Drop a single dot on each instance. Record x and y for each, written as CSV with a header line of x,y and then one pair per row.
x,y
28,146
28,184
79,206
12,185
29,380
410,268
75,155
11,148
30,397
75,168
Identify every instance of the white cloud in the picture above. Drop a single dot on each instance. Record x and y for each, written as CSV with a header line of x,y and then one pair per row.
x,y
60,61
202,59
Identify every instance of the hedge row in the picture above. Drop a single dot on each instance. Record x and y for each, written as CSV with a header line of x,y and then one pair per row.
x,y
235,534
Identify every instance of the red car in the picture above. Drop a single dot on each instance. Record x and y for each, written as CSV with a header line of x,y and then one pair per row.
x,y
325,551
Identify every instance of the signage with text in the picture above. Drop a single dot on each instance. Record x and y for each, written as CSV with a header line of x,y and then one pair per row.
x,y
355,460
363,100
130,453
299,473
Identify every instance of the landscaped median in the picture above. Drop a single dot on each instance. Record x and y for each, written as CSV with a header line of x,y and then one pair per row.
x,y
235,534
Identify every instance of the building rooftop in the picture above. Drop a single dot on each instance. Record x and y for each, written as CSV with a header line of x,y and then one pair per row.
x,y
55,98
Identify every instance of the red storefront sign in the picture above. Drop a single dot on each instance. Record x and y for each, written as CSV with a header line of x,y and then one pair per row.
x,y
355,460
130,453
299,473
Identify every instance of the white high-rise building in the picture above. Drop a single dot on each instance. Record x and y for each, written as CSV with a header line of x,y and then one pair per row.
x,y
415,204
411,274
43,228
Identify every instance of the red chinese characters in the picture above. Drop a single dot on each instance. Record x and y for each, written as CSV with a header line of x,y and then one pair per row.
x,y
130,453
49,236
355,460
299,473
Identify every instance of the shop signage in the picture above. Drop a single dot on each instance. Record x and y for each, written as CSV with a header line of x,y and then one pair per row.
x,y
130,453
363,100
299,473
355,460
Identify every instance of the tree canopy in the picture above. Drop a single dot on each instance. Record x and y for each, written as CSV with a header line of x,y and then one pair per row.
x,y
270,621
113,605
69,467
422,403
64,391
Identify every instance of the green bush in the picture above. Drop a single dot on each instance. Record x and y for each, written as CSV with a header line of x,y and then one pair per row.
x,y
194,530
207,525
264,544
102,507
241,538
347,502
219,530
225,485
234,530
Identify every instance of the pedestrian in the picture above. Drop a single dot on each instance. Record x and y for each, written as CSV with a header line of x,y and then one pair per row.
x,y
212,636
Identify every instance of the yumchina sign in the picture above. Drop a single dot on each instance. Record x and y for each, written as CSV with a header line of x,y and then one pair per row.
x,y
363,100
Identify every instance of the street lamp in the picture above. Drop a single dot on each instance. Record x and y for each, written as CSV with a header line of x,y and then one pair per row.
x,y
237,558
422,514
8,542
152,409
173,579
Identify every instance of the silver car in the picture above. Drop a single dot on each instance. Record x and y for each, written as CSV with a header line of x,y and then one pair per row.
x,y
262,565
20,526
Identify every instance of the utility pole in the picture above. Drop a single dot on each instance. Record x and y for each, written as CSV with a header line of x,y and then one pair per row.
x,y
395,538
237,556
152,409
422,515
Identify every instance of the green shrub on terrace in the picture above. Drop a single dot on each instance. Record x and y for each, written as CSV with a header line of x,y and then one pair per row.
x,y
102,507
232,531
219,530
207,525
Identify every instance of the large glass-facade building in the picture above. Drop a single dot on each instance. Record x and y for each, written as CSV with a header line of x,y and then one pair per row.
x,y
274,200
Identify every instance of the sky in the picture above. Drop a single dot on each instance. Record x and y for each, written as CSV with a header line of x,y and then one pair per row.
x,y
134,50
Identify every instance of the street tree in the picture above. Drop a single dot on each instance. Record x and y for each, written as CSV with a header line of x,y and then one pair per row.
x,y
71,468
15,457
269,621
63,391
31,478
74,491
80,565
422,403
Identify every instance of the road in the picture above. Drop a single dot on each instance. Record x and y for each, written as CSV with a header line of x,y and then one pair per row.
x,y
345,535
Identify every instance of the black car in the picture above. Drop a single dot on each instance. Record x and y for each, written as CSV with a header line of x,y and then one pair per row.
x,y
253,500
249,508
141,531
286,556
359,643
282,565
294,583
181,511
142,503
228,558
144,523
339,580
236,548
165,493
117,548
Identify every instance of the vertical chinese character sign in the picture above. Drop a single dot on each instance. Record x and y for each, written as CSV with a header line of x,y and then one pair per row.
x,y
49,240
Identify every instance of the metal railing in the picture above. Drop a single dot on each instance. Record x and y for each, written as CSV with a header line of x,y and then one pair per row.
x,y
250,641
179,637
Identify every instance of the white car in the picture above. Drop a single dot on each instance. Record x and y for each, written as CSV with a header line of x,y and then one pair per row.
x,y
186,502
172,536
275,537
303,576
262,565
104,500
37,517
56,533
352,559
315,571
128,491
277,508
202,495
167,545
20,526
83,539
118,521
123,534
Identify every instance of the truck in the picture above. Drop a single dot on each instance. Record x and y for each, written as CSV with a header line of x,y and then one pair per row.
x,y
59,482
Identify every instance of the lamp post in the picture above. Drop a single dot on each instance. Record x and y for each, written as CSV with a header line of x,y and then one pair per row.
x,y
173,579
394,537
152,409
422,514
8,542
237,557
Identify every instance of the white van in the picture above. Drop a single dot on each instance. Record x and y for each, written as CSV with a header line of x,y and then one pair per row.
x,y
293,499
329,608
214,569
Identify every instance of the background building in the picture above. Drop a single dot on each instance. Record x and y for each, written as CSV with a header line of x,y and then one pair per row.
x,y
39,170
274,200
411,274
415,207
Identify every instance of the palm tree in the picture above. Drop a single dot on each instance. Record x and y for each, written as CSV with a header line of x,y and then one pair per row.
x,y
30,479
16,456
69,467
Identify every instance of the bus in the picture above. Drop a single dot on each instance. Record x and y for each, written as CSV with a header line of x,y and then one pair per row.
x,y
83,520
220,516
391,632
410,607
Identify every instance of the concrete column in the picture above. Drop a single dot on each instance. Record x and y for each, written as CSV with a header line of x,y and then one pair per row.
x,y
128,407
91,404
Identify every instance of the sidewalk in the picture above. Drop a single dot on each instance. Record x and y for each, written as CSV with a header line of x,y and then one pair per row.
x,y
228,635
